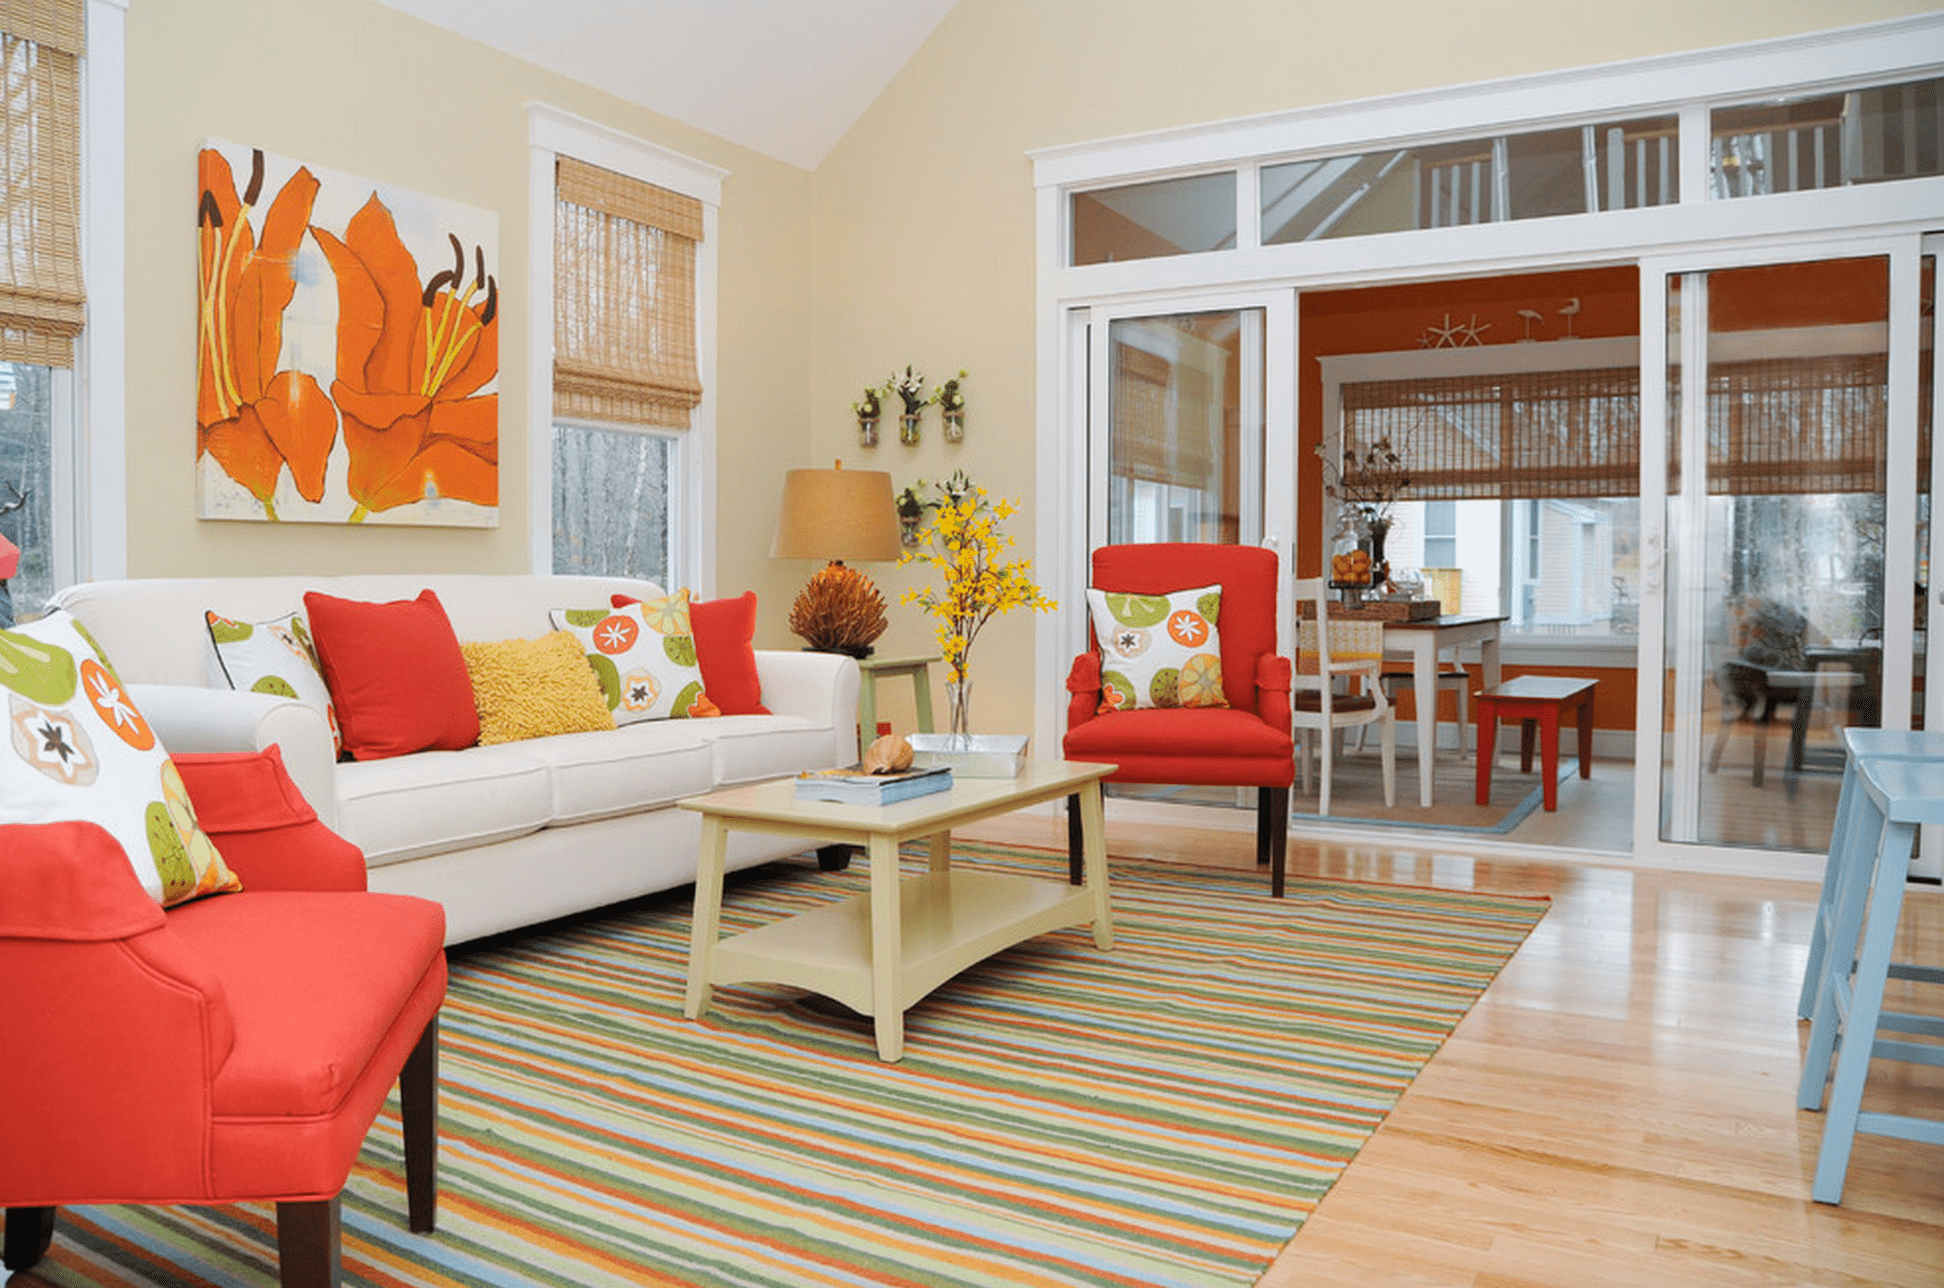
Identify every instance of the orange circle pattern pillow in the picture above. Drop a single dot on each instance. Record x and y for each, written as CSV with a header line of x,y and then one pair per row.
x,y
77,748
1158,650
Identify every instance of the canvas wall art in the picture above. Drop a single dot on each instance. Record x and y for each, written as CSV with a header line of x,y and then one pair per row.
x,y
347,348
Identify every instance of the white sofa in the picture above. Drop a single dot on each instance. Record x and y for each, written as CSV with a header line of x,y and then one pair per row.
x,y
506,835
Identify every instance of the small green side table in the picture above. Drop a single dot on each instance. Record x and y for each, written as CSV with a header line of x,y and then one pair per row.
x,y
873,669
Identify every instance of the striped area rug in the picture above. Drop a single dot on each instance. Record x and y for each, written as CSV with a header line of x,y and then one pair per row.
x,y
1167,1113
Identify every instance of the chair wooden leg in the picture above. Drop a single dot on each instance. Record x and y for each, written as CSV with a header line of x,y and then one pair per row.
x,y
30,1230
1272,809
308,1240
1075,866
418,1096
1262,826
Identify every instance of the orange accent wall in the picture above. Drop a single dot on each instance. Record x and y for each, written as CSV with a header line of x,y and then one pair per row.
x,y
1613,701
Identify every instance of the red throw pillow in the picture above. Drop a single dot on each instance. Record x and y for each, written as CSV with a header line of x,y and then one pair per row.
x,y
395,674
724,633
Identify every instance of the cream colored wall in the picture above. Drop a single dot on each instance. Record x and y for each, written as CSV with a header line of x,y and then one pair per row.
x,y
924,228
351,86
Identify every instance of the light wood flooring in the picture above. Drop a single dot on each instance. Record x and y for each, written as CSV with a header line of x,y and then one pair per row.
x,y
1619,1107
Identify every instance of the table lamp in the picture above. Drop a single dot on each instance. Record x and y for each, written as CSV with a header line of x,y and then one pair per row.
x,y
837,514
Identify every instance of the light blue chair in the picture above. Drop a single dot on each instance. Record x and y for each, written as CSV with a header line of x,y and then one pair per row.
x,y
1860,744
1884,802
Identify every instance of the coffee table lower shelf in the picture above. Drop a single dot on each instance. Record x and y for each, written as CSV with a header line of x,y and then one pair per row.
x,y
947,921
881,952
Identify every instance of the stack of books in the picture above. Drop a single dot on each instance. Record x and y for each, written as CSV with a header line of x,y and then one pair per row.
x,y
857,787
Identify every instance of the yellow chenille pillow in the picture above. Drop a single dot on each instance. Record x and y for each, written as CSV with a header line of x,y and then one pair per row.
x,y
533,688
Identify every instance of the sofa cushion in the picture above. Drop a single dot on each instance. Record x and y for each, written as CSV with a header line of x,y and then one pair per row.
x,y
747,749
534,688
76,747
725,634
314,981
435,801
643,654
637,766
395,674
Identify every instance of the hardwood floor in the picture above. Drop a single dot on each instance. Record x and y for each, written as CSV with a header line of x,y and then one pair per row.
x,y
1619,1107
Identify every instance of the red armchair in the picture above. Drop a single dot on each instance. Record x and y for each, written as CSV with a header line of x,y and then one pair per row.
x,y
231,1049
1247,743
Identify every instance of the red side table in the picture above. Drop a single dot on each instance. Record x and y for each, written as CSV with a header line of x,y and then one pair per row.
x,y
1536,701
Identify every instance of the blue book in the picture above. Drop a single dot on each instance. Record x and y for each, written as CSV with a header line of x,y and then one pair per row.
x,y
856,787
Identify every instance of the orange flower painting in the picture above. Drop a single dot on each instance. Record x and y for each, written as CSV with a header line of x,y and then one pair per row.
x,y
252,418
348,349
411,358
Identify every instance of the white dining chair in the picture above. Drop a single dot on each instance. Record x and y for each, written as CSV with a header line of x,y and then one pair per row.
x,y
1328,651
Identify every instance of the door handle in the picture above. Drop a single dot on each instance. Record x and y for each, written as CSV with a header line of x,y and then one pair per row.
x,y
1653,561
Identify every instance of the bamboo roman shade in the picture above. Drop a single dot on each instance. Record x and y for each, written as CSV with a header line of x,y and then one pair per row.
x,y
42,304
1775,426
1799,425
1152,440
624,299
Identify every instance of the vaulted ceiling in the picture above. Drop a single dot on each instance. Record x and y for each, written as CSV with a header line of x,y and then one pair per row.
x,y
786,78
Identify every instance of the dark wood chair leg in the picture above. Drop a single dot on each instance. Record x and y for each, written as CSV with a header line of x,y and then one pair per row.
x,y
30,1230
1263,843
1075,841
308,1240
1274,803
418,1099
833,858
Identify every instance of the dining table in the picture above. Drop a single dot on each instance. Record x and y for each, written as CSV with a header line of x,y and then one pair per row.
x,y
1422,641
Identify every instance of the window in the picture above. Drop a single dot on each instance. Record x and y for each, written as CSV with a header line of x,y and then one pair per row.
x,y
1143,220
625,375
42,304
1441,534
1530,477
1799,144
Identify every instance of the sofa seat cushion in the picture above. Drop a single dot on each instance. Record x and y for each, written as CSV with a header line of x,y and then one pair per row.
x,y
432,801
749,749
637,766
314,983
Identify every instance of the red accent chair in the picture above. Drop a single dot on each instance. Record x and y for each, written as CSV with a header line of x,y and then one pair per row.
x,y
236,1048
1247,743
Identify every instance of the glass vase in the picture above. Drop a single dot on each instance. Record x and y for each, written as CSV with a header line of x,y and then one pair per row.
x,y
908,428
958,707
954,426
867,431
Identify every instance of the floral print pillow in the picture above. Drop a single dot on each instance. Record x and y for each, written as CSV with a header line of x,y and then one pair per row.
x,y
644,657
78,748
1158,650
273,657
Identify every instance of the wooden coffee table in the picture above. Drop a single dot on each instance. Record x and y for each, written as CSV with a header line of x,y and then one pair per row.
x,y
881,952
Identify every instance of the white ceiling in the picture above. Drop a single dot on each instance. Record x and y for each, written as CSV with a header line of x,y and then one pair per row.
x,y
784,77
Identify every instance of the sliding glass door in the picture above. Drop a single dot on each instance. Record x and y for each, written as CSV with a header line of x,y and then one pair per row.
x,y
1777,564
1193,411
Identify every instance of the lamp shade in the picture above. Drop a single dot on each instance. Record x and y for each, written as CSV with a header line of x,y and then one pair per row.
x,y
837,514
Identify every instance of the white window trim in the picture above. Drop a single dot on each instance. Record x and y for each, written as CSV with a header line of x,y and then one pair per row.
x,y
551,133
98,535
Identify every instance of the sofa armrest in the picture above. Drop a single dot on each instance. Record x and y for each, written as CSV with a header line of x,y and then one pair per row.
x,y
115,1028
1083,686
1273,679
821,687
266,831
190,718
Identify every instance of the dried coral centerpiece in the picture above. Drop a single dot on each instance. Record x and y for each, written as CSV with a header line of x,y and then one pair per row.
x,y
840,611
